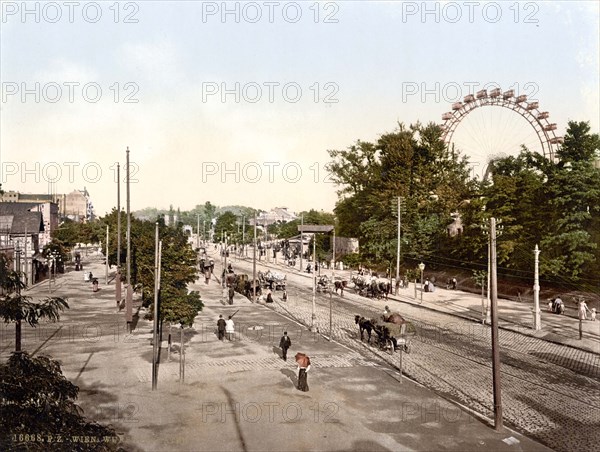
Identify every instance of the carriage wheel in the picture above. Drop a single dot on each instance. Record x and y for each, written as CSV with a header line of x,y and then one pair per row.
x,y
389,346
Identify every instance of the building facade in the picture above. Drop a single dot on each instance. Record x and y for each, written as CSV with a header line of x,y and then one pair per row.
x,y
76,205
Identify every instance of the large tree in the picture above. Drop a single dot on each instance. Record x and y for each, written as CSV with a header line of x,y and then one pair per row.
x,y
412,163
553,204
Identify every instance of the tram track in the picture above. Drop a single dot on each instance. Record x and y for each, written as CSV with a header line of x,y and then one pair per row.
x,y
452,356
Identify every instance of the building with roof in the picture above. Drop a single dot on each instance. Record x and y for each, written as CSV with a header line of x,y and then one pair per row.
x,y
76,205
274,216
20,232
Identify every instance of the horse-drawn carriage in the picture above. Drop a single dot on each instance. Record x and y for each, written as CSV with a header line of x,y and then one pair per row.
x,y
372,287
324,284
392,331
242,284
272,280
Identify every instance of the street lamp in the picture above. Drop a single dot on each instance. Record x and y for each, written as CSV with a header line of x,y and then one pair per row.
x,y
421,267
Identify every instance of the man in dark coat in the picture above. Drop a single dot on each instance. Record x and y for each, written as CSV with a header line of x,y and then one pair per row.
x,y
284,344
221,327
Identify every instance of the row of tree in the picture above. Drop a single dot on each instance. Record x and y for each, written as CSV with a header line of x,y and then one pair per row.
x,y
555,204
178,259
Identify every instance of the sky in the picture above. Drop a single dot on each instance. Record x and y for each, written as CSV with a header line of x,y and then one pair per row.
x,y
237,103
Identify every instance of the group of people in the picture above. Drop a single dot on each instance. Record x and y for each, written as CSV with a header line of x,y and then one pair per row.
x,y
227,328
428,286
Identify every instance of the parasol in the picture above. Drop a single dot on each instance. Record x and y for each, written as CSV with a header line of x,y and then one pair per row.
x,y
302,359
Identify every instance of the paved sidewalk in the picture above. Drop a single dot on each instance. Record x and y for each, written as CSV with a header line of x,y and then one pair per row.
x,y
241,395
512,315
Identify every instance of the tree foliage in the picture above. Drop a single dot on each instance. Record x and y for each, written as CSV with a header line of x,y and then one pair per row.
x,y
411,163
36,398
178,264
18,308
554,204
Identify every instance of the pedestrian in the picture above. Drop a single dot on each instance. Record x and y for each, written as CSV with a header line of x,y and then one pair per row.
x,y
303,368
284,296
221,327
231,293
583,309
284,344
229,328
269,296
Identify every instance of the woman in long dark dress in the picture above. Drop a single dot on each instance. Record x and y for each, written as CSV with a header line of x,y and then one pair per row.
x,y
303,375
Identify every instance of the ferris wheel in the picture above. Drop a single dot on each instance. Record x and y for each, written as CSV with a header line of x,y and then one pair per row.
x,y
483,134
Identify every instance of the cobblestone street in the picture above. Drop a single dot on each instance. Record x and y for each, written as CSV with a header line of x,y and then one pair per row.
x,y
549,391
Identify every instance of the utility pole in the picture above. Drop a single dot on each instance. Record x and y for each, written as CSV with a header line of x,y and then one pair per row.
x,y
18,323
155,329
489,270
254,263
106,266
537,319
398,250
314,297
332,285
119,223
225,263
198,232
495,338
25,255
301,241
129,295
118,277
244,234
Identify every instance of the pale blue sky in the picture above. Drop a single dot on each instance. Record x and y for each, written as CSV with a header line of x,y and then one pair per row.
x,y
170,55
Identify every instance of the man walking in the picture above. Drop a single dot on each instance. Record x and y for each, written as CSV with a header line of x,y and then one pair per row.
x,y
221,327
284,344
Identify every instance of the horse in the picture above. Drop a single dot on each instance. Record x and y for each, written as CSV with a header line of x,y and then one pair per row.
x,y
394,318
340,285
364,325
385,286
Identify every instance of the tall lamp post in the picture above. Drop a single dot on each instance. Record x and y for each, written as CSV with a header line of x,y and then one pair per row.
x,y
399,245
422,268
198,232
